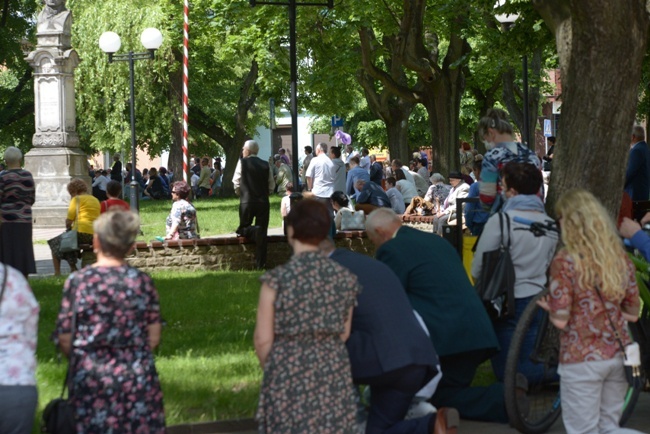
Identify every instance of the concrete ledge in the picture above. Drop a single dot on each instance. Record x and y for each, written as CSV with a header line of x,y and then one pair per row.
x,y
221,254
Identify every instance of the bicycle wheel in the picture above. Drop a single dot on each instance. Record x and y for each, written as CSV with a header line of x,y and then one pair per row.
x,y
533,407
639,332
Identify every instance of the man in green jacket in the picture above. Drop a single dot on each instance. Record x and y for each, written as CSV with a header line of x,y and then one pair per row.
x,y
440,291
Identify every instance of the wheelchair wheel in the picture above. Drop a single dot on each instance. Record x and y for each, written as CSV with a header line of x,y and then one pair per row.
x,y
534,406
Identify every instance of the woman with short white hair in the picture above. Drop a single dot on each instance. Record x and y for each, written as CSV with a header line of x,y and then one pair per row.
x,y
17,195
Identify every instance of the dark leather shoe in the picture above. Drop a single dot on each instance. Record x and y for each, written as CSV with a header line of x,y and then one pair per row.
x,y
447,421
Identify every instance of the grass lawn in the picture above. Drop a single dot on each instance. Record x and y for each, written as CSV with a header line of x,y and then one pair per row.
x,y
206,361
216,216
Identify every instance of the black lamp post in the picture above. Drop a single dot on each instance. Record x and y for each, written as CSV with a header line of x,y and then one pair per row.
x,y
110,42
292,4
507,22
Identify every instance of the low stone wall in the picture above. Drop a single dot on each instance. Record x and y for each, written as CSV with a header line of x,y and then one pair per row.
x,y
421,222
221,254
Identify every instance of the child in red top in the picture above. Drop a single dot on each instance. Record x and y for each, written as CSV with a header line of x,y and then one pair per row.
x,y
113,191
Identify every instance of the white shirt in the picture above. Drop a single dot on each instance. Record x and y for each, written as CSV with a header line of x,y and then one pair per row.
x,y
396,200
322,172
18,331
101,181
236,178
350,155
407,189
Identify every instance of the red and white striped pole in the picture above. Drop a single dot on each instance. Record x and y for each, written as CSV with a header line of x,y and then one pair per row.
x,y
186,42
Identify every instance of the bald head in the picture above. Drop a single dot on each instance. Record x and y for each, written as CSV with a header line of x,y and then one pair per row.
x,y
381,225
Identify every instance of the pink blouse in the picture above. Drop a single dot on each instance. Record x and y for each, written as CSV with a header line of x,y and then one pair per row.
x,y
588,335
18,331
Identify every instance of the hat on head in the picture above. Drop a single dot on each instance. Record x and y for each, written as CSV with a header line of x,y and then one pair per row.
x,y
276,157
455,175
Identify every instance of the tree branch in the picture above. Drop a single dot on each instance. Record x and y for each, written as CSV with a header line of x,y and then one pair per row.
x,y
247,98
367,38
554,12
202,122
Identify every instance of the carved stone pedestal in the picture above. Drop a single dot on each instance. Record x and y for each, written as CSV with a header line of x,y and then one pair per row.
x,y
52,169
56,158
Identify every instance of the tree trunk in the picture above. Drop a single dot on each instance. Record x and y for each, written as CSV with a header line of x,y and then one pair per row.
x,y
442,102
233,153
601,45
398,132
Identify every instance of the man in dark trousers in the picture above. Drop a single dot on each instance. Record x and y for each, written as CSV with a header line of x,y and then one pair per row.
x,y
389,349
637,175
439,290
253,182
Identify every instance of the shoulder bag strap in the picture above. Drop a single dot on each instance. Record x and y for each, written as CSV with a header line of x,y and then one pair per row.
x,y
501,243
5,271
508,225
611,323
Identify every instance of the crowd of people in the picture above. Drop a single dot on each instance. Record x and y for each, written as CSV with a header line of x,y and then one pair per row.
x,y
408,324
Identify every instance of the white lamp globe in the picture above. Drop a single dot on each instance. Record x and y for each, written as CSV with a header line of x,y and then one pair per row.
x,y
151,38
504,18
110,42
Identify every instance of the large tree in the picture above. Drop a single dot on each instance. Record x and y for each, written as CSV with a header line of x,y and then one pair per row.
x,y
601,45
16,91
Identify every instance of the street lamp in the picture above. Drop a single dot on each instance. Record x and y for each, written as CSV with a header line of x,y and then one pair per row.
x,y
110,42
507,22
292,4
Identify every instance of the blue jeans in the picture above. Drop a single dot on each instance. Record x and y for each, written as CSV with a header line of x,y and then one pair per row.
x,y
504,330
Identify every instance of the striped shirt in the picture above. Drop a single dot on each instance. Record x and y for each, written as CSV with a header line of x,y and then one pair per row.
x,y
17,195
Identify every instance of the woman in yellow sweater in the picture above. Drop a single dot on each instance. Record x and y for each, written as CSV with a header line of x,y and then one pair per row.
x,y
89,210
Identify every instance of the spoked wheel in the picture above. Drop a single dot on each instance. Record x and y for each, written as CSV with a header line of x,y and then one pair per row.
x,y
640,332
532,386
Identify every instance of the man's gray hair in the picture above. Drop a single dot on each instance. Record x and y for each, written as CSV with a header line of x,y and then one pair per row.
x,y
437,177
380,218
252,146
323,147
13,155
638,132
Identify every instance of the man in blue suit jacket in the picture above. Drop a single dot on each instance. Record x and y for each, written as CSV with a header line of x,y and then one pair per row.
x,y
389,350
437,285
637,175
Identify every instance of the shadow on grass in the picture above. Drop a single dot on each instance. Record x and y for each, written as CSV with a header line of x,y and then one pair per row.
x,y
206,360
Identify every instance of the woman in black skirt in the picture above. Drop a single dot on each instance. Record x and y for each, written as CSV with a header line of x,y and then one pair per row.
x,y
17,196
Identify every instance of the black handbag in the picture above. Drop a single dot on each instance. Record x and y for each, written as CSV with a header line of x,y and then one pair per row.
x,y
496,284
58,415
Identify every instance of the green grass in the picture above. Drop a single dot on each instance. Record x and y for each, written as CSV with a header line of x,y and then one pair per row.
x,y
206,361
216,216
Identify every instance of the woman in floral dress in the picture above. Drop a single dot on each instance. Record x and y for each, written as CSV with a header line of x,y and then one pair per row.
x,y
181,221
303,320
115,384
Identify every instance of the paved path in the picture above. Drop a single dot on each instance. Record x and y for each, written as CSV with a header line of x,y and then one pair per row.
x,y
639,421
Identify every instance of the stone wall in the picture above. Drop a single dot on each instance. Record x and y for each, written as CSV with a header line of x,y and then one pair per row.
x,y
220,254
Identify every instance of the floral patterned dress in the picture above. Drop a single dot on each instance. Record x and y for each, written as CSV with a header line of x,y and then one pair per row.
x,y
183,216
115,383
307,385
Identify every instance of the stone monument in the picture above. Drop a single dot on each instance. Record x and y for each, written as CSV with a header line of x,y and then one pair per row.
x,y
55,158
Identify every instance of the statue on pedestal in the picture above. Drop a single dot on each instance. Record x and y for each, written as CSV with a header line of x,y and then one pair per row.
x,y
56,157
54,17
